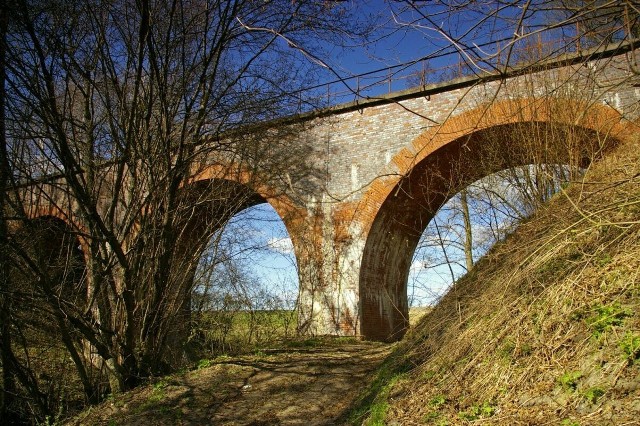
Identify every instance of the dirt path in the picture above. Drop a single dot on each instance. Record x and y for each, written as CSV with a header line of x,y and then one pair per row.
x,y
312,386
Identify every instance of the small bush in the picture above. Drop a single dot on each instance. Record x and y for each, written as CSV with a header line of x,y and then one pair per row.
x,y
569,380
630,345
593,394
476,412
204,363
437,401
606,317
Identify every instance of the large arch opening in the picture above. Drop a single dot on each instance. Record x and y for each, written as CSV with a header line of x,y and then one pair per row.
x,y
415,199
470,223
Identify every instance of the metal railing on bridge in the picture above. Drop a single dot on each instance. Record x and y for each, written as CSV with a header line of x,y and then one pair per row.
x,y
440,67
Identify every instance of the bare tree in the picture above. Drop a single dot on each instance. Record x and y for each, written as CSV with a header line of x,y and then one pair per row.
x,y
8,373
600,21
114,110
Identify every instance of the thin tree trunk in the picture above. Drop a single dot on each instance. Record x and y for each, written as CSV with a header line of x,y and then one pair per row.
x,y
8,377
444,251
468,236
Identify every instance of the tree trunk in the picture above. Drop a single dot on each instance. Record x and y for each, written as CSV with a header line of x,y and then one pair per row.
x,y
468,236
8,377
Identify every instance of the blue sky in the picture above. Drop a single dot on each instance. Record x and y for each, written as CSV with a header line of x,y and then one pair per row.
x,y
259,241
435,37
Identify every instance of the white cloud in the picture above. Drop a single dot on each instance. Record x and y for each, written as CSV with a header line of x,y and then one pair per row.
x,y
416,266
281,245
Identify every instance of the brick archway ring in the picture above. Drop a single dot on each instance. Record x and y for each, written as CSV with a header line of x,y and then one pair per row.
x,y
393,221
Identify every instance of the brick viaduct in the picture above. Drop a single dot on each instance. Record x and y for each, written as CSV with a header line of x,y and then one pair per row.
x,y
391,162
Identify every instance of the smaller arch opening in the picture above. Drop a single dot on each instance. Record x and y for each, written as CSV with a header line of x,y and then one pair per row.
x,y
48,259
245,284
48,289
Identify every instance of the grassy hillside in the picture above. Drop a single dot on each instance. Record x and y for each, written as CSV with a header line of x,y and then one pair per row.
x,y
544,330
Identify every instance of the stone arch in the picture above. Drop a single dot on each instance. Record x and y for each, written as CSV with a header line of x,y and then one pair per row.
x,y
240,188
249,186
442,161
208,199
40,211
56,253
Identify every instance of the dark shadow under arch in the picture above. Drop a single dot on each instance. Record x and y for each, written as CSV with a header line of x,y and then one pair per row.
x,y
208,204
415,199
48,257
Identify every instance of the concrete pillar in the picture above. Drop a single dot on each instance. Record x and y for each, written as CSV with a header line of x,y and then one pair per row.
x,y
329,267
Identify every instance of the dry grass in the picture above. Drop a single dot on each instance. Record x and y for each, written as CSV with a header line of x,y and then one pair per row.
x,y
313,384
546,329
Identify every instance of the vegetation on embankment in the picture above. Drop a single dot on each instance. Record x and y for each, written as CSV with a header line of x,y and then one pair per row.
x,y
544,330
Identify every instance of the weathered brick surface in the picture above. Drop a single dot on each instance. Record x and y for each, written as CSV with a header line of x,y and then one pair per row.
x,y
355,237
372,149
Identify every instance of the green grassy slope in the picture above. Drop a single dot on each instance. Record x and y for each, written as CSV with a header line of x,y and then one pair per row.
x,y
544,330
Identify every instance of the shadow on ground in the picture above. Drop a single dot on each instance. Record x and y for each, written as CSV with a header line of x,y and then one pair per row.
x,y
310,386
